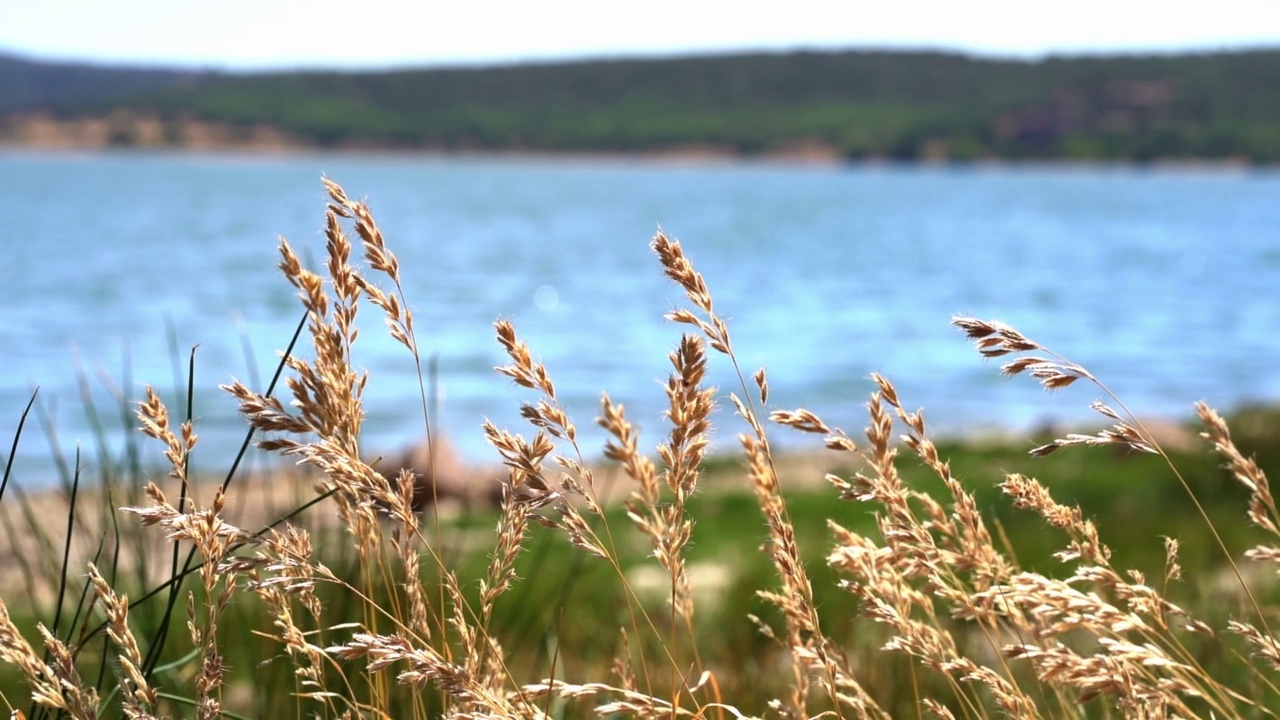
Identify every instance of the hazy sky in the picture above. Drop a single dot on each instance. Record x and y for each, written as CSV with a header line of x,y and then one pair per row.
x,y
379,33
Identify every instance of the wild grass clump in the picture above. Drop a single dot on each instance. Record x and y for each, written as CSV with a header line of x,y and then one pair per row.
x,y
922,605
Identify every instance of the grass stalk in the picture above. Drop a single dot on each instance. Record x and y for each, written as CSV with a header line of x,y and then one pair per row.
x,y
897,585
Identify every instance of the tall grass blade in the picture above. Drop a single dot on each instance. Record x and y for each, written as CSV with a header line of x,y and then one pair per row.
x,y
270,391
162,632
13,445
66,545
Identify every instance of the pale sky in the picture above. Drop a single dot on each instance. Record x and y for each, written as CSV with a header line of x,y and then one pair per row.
x,y
253,34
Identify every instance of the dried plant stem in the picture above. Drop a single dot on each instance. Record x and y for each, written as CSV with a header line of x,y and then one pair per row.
x,y
995,339
978,635
809,646
530,486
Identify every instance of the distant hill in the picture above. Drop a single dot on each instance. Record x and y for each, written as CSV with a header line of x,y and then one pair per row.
x,y
27,85
845,104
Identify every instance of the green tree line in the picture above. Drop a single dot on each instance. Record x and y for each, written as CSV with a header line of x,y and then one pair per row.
x,y
900,105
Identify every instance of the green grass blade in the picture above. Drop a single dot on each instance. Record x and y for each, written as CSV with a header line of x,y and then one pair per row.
x,y
13,446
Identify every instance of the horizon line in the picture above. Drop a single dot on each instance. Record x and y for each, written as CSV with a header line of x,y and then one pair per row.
x,y
633,55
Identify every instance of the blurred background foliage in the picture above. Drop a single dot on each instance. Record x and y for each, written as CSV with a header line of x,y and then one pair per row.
x,y
895,105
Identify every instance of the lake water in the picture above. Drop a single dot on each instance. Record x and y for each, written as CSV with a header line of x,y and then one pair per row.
x,y
1165,283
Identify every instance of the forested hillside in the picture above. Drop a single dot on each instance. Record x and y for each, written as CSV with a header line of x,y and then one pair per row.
x,y
26,85
856,104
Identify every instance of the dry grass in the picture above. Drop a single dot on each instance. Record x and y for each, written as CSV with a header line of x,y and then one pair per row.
x,y
982,636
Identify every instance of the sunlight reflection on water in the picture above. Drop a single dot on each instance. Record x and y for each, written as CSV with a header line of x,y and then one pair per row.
x,y
1163,283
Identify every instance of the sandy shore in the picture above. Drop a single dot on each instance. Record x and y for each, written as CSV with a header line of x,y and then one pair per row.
x,y
130,132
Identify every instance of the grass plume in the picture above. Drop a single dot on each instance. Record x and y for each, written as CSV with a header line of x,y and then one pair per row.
x,y
901,592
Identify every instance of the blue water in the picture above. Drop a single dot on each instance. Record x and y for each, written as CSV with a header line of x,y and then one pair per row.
x,y
1165,283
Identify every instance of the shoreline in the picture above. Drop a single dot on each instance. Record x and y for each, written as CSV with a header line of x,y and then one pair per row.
x,y
143,133
694,156
39,474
